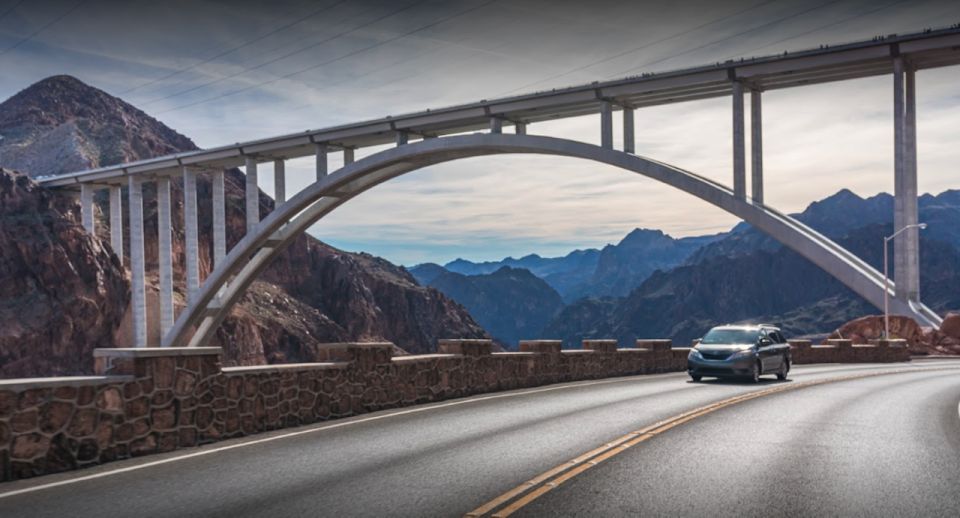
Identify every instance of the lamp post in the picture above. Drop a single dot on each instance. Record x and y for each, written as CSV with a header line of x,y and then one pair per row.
x,y
886,279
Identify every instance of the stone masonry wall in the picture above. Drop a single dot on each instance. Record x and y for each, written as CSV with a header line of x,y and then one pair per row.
x,y
160,399
845,351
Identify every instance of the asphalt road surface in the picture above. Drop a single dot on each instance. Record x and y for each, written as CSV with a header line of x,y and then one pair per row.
x,y
853,440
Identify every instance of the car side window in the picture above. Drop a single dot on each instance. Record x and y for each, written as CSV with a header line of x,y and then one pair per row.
x,y
779,338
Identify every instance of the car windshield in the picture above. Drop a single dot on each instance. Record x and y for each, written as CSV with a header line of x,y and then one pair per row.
x,y
730,336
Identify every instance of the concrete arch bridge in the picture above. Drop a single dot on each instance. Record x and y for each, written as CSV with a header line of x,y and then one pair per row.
x,y
438,136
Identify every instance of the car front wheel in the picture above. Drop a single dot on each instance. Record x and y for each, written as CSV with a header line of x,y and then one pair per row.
x,y
696,377
755,373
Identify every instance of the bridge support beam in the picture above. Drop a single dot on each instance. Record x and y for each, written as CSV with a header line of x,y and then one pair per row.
x,y
520,128
190,228
252,194
321,156
606,125
756,146
219,217
348,155
138,294
906,246
403,138
629,139
165,251
279,181
116,221
739,149
496,125
86,207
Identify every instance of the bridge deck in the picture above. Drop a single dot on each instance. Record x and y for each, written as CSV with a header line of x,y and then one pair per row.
x,y
930,49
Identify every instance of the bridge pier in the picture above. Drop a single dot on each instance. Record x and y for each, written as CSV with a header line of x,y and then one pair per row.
x,y
320,152
520,128
348,155
739,145
496,125
279,181
606,125
629,139
138,294
906,246
219,218
756,145
165,250
252,193
190,230
116,221
86,207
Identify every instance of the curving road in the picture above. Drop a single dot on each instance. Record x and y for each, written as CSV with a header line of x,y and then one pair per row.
x,y
880,440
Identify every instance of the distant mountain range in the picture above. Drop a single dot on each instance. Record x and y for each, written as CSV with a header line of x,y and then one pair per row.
x,y
652,285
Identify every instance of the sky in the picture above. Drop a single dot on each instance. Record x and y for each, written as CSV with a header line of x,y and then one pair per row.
x,y
227,71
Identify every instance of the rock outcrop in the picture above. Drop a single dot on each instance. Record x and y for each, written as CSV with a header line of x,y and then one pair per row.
x,y
945,340
62,293
312,294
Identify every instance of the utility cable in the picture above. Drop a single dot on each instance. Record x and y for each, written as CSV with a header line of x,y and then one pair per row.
x,y
44,27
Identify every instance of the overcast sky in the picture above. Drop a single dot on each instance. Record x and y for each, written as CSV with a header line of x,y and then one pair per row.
x,y
226,71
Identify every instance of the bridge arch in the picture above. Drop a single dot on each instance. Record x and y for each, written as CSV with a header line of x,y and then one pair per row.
x,y
229,280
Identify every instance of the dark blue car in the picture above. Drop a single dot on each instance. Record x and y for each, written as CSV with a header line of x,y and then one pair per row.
x,y
747,351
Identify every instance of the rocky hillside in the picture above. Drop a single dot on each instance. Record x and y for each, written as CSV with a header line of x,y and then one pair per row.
x,y
512,303
312,294
62,293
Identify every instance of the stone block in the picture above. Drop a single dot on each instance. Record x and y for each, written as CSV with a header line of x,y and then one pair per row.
x,y
600,346
654,344
840,343
541,346
465,347
800,344
891,342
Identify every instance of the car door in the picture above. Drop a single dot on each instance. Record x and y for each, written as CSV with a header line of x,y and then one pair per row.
x,y
783,346
768,353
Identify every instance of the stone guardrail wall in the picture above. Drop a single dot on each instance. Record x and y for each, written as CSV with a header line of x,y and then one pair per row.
x,y
157,400
845,351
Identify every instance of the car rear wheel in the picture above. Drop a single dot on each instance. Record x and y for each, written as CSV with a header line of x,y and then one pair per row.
x,y
784,370
755,373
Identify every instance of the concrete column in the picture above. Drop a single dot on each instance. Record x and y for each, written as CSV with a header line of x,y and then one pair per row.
x,y
606,125
219,218
322,164
402,138
910,203
739,152
191,232
252,195
116,221
496,125
86,207
347,155
629,138
165,259
899,220
520,128
279,182
756,146
138,292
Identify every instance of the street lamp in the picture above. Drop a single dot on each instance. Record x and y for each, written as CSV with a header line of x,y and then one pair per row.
x,y
886,279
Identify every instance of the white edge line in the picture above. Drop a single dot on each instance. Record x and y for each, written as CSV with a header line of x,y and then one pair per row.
x,y
316,429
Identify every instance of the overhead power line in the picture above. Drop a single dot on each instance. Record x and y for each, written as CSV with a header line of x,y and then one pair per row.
x,y
726,38
285,56
10,10
334,60
642,47
231,50
43,27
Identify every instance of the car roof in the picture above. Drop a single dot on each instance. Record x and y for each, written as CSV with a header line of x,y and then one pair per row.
x,y
747,327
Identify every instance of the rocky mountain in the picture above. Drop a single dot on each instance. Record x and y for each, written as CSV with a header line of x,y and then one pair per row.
x,y
511,303
759,282
425,273
612,271
312,294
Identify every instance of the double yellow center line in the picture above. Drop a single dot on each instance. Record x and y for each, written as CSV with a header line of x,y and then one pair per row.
x,y
522,495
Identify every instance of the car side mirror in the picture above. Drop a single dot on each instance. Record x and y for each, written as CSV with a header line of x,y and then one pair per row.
x,y
765,342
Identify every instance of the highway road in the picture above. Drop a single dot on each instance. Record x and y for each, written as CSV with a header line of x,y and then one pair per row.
x,y
832,440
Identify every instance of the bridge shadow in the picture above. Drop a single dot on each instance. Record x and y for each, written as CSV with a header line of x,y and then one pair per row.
x,y
740,381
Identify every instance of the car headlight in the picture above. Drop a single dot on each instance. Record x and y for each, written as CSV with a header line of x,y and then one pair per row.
x,y
739,355
694,354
